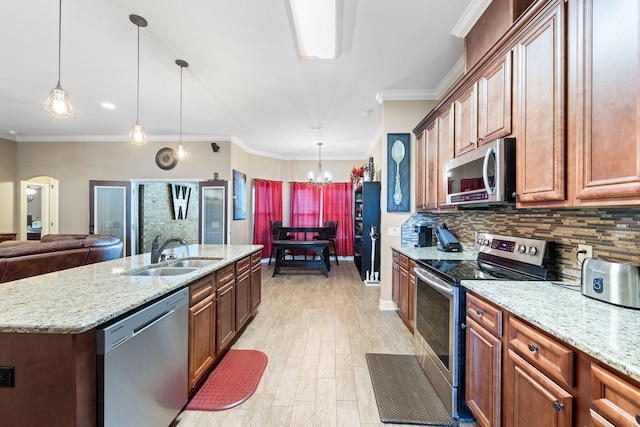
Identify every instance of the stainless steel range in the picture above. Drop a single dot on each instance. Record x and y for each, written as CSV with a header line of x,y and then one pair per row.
x,y
439,337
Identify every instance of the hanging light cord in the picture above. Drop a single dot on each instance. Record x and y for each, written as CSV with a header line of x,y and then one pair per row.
x,y
181,69
59,39
138,79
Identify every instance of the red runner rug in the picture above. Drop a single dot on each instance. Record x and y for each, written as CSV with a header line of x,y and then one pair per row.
x,y
232,382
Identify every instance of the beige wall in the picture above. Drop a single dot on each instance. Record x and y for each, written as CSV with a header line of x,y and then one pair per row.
x,y
398,117
75,163
8,186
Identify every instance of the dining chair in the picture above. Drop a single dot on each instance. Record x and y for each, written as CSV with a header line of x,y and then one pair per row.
x,y
275,225
332,234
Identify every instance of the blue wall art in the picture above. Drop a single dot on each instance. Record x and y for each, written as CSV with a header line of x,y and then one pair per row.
x,y
398,172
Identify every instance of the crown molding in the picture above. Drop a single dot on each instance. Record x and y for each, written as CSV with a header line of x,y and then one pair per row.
x,y
472,13
406,95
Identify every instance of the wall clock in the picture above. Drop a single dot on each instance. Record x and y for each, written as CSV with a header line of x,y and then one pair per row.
x,y
166,158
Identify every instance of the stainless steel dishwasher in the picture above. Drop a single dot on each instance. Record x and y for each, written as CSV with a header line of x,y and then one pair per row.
x,y
142,364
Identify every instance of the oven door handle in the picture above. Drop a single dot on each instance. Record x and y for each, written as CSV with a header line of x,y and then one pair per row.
x,y
440,287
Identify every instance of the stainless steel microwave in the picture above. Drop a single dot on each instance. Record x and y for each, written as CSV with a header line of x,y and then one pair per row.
x,y
484,175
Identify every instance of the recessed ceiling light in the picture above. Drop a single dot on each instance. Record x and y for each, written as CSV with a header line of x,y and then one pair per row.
x,y
108,106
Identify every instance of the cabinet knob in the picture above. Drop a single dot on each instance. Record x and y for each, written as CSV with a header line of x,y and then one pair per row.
x,y
471,143
557,405
479,312
533,348
465,326
514,194
480,139
638,419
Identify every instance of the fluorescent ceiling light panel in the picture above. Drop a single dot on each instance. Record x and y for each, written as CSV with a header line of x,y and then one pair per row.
x,y
315,25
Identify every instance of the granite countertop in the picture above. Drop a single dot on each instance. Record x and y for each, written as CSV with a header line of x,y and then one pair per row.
x,y
606,332
79,299
430,252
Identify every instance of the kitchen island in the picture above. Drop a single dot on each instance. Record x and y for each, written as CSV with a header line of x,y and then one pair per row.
x,y
48,329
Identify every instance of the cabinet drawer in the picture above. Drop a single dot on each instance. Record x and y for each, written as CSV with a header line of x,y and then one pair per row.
x,y
547,354
402,260
617,400
243,265
486,314
225,275
200,289
256,257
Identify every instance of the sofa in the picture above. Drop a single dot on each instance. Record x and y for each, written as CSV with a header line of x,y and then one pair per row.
x,y
55,252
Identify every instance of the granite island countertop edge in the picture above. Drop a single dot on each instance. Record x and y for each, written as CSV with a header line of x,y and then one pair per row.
x,y
79,299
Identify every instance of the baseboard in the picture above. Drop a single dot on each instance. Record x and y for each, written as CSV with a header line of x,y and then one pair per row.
x,y
386,305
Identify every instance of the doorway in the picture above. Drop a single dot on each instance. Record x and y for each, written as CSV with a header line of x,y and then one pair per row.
x,y
38,207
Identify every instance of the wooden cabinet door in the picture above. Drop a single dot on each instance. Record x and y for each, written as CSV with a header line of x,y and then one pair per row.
x,y
605,125
225,315
483,364
243,299
494,101
445,153
539,108
403,294
202,339
466,121
532,399
431,166
256,287
421,171
411,306
395,282
614,399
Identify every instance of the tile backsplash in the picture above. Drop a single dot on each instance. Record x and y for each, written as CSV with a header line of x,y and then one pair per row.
x,y
614,233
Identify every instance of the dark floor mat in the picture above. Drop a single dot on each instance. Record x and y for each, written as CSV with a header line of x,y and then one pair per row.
x,y
403,393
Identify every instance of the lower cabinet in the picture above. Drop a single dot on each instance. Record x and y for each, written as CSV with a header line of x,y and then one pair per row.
x,y
202,339
402,288
534,398
220,305
614,401
483,361
226,317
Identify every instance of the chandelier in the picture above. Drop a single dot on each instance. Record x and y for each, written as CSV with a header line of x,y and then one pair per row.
x,y
320,178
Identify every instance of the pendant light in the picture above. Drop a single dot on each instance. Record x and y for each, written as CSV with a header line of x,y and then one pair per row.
x,y
137,135
181,153
58,103
321,178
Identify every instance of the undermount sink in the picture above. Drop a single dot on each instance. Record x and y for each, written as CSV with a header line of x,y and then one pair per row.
x,y
164,271
197,263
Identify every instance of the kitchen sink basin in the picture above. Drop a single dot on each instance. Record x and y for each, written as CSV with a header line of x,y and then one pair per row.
x,y
197,263
164,271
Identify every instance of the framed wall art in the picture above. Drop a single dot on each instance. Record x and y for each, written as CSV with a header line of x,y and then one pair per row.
x,y
239,195
398,172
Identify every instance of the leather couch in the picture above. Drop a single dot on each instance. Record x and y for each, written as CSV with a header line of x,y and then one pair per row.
x,y
55,252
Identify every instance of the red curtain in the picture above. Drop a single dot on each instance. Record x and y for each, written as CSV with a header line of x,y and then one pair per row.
x,y
304,205
267,207
337,206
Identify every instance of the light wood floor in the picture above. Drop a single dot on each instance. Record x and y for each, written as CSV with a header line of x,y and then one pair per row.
x,y
315,332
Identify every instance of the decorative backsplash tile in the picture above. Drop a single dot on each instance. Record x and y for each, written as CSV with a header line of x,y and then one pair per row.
x,y
156,212
614,233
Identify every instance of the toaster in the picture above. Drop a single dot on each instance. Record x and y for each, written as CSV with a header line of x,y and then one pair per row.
x,y
611,282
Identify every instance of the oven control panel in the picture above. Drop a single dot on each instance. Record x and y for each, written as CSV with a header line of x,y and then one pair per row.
x,y
531,251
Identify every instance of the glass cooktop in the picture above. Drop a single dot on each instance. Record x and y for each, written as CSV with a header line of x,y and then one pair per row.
x,y
454,271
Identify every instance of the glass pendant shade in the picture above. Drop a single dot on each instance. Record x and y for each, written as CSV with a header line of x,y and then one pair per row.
x,y
137,135
320,178
58,103
181,153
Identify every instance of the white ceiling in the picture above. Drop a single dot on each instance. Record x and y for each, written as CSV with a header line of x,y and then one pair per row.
x,y
244,83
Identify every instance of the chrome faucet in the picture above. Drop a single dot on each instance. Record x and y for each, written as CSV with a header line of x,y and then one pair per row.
x,y
157,249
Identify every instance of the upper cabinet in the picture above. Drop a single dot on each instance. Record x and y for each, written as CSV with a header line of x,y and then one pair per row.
x,y
483,110
539,87
604,127
564,80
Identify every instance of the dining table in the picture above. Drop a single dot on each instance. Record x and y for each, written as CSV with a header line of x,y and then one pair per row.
x,y
305,239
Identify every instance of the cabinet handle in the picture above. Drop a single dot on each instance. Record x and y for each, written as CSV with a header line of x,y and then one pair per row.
x,y
480,139
533,348
465,326
479,312
471,143
514,194
557,405
638,419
